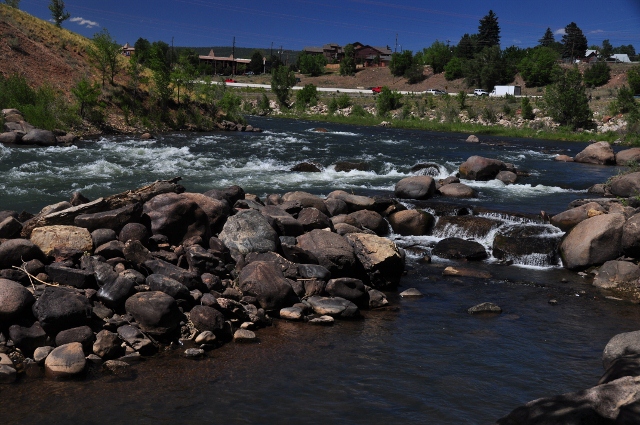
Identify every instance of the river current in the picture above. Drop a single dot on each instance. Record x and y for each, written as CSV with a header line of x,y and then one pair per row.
x,y
426,362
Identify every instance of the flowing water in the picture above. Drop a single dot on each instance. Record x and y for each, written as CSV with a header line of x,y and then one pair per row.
x,y
426,362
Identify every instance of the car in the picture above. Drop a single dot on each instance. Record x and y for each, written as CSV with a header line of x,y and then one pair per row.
x,y
230,80
480,92
435,92
376,89
248,73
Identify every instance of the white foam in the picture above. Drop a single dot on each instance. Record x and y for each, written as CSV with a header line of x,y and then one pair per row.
x,y
519,190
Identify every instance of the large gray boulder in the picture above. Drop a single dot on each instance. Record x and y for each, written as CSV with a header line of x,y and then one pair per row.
x,y
416,187
566,220
114,219
156,312
465,226
14,251
371,220
206,318
593,241
39,137
460,249
167,285
332,251
480,168
458,190
334,306
249,231
615,273
353,202
178,217
306,200
626,185
265,281
621,345
628,155
521,241
217,210
631,236
597,153
14,300
411,222
9,228
312,218
284,223
599,405
382,261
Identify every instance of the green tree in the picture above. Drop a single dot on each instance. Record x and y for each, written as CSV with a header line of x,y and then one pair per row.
x,y
467,47
574,43
489,31
13,3
567,101
387,101
547,39
86,95
633,77
230,104
348,62
454,69
607,49
527,109
539,67
256,65
400,62
625,50
625,102
487,69
143,49
183,73
104,53
415,73
160,73
597,74
58,13
308,95
311,64
282,79
437,56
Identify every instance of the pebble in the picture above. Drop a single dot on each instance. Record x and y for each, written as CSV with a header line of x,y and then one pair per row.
x,y
193,353
291,313
485,308
553,302
206,337
411,292
41,353
322,320
8,374
244,335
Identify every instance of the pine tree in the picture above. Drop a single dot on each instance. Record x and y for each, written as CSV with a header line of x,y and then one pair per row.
x,y
574,42
489,31
58,13
547,39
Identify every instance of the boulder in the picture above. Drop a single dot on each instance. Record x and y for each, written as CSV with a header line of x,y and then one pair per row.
x,y
484,308
11,137
567,220
102,236
169,286
411,222
71,277
480,168
457,248
39,137
416,187
29,338
593,241
103,272
348,288
465,226
16,251
156,312
132,232
380,257
111,249
207,319
114,293
334,307
285,223
114,219
614,273
186,277
628,155
312,218
597,153
602,404
267,284
307,167
217,210
473,139
507,177
177,216
249,231
626,185
81,334
231,194
65,361
68,237
244,335
353,202
200,260
331,250
346,166
288,268
458,190
292,313
9,228
563,158
313,271
621,345
631,236
621,367
306,200
135,252
60,308
426,169
367,219
136,340
522,240
336,206
14,300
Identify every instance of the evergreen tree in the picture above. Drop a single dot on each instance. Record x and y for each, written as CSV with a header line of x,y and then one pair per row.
x,y
13,3
143,49
489,31
282,79
436,56
257,62
348,63
567,101
400,62
58,13
574,42
607,49
547,39
467,46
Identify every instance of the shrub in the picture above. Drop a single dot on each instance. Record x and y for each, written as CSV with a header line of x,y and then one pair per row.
x,y
527,109
461,97
633,76
308,95
387,101
333,105
453,69
567,101
343,101
597,74
230,104
263,104
359,111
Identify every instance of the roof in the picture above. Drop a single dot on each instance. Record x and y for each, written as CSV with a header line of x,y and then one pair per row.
x,y
313,49
621,57
212,56
590,52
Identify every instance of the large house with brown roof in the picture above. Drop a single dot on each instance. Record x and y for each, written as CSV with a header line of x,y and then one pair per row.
x,y
365,54
220,62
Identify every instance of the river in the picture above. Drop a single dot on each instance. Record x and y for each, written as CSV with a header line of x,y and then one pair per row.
x,y
426,362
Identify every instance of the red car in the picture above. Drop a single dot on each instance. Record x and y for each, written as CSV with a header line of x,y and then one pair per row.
x,y
230,80
376,89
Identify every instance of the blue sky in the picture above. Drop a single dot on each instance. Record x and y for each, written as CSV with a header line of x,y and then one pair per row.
x,y
296,24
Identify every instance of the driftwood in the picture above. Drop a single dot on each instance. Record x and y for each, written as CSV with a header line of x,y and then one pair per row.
x,y
67,217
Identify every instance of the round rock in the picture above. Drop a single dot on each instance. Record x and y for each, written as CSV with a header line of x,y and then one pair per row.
x,y
65,361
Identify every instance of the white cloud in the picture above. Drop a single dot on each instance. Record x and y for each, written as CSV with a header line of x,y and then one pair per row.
x,y
596,32
561,31
516,41
84,22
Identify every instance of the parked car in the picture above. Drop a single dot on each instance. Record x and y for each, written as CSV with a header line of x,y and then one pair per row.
x,y
480,92
248,73
230,80
376,89
435,92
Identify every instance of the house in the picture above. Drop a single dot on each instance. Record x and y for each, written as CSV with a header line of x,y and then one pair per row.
x,y
332,52
591,56
220,62
371,55
619,57
127,50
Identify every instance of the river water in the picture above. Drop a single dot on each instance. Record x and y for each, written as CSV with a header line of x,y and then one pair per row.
x,y
427,361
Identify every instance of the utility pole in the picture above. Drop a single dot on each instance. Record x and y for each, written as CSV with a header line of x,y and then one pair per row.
x,y
396,48
233,56
172,53
271,58
280,53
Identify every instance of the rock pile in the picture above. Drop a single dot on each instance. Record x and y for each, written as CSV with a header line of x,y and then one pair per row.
x,y
18,131
87,282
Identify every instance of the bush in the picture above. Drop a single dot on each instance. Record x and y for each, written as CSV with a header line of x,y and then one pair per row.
x,y
307,96
567,101
597,74
624,103
453,69
230,104
527,109
333,105
263,104
461,97
387,101
359,111
415,73
540,67
633,76
343,101
282,79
